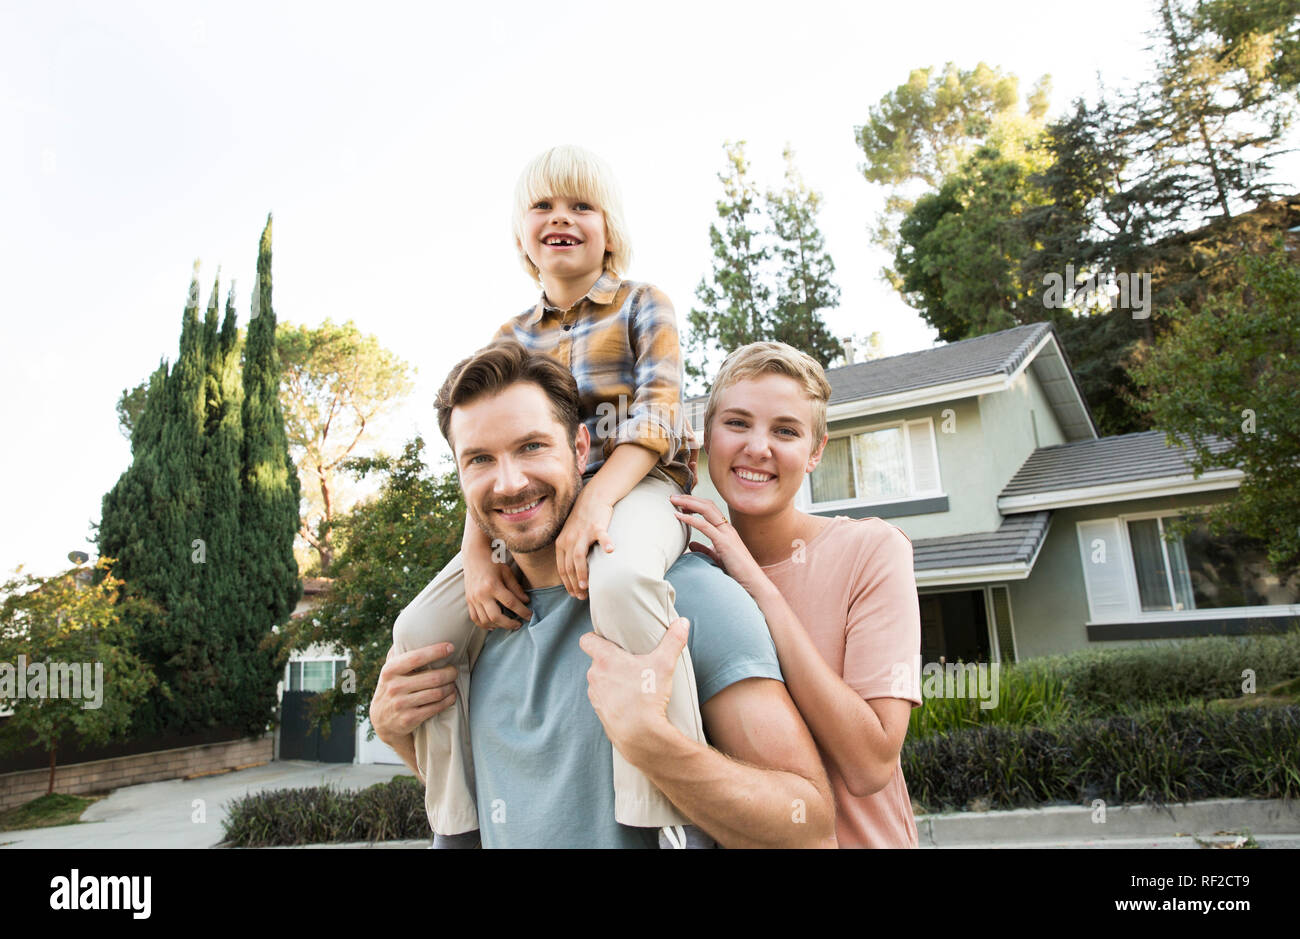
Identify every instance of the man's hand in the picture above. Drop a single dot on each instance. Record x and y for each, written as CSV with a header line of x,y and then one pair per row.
x,y
630,692
406,697
588,523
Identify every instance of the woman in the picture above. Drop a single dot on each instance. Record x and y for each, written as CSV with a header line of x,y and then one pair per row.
x,y
838,593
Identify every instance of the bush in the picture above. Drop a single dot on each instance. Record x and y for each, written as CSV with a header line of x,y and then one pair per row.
x,y
1099,683
1153,756
389,811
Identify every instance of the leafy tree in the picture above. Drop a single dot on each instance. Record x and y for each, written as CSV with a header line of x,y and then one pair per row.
x,y
733,307
804,284
58,622
335,383
1231,373
393,546
1258,32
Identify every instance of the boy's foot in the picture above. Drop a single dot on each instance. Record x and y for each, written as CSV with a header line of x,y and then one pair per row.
x,y
684,836
469,839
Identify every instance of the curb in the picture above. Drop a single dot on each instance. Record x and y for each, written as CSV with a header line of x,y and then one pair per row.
x,y
1075,823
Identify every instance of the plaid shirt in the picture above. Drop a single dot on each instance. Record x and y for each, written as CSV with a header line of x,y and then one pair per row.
x,y
620,343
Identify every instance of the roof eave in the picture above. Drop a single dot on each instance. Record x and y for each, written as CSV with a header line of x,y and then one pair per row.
x,y
1121,491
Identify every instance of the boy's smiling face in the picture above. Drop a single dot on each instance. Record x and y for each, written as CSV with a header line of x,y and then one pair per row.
x,y
565,238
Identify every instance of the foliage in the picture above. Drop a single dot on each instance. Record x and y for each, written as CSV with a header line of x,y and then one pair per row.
x,y
1260,31
768,282
1156,758
391,811
336,382
394,545
1232,373
63,621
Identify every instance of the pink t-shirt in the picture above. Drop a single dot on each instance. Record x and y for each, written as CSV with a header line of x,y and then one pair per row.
x,y
854,591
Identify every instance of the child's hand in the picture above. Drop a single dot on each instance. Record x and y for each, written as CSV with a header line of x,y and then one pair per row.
x,y
587,524
489,586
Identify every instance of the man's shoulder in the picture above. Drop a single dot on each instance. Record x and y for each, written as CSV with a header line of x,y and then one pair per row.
x,y
729,640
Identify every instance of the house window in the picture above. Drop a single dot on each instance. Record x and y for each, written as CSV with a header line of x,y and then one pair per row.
x,y
317,675
1132,566
881,464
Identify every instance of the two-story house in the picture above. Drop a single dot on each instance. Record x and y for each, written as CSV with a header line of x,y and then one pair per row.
x,y
1032,535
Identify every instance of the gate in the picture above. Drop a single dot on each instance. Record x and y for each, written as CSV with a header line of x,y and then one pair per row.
x,y
300,741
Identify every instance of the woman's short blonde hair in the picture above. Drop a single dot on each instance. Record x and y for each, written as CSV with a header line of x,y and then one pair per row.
x,y
573,173
776,358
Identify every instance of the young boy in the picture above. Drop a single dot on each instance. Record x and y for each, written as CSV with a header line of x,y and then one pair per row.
x,y
619,339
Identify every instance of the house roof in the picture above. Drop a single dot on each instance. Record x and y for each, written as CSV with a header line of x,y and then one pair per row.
x,y
1007,553
1096,470
954,370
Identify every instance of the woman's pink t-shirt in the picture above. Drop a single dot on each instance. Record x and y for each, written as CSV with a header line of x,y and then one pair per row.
x,y
854,591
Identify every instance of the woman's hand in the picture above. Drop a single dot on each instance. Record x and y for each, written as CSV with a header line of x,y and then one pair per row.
x,y
728,550
490,584
587,524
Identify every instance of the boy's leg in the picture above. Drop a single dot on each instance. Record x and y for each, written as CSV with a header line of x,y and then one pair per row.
x,y
442,749
632,605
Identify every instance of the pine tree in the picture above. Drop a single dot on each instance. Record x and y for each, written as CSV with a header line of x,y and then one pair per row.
x,y
733,307
804,285
268,508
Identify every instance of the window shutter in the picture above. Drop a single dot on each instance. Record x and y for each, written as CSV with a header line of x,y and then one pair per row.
x,y
1105,569
1002,624
925,465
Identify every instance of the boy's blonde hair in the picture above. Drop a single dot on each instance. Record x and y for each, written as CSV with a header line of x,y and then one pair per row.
x,y
763,358
574,173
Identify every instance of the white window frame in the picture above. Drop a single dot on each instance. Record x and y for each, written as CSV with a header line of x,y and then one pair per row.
x,y
341,662
1136,614
805,501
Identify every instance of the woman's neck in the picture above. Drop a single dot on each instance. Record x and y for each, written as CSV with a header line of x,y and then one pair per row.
x,y
772,538
563,293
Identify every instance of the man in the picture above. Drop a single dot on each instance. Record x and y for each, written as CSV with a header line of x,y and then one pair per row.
x,y
551,697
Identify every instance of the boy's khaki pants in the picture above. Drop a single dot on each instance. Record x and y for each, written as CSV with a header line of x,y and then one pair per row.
x,y
631,605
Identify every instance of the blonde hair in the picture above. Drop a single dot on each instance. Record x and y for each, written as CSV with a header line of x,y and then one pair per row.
x,y
573,173
777,358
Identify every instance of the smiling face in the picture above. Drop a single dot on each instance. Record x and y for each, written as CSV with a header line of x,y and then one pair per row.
x,y
518,469
565,238
760,444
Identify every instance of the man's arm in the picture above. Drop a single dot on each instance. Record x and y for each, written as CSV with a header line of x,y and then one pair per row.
x,y
763,787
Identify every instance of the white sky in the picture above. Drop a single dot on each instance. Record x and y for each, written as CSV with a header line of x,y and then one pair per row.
x,y
386,139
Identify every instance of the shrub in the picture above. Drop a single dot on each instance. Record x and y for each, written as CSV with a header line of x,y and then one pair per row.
x,y
323,815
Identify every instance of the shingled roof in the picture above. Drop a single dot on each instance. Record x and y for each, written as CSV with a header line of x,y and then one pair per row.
x,y
1106,460
1016,541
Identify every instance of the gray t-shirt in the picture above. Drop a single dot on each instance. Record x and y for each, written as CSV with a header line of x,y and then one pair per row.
x,y
543,766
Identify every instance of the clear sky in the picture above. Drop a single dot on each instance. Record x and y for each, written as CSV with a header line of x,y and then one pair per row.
x,y
386,139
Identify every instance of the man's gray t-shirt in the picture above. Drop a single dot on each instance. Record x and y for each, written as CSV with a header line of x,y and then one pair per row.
x,y
543,767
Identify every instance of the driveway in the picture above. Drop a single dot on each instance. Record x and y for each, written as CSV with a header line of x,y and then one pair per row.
x,y
167,815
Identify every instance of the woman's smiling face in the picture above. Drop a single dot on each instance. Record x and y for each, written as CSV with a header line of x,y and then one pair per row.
x,y
760,443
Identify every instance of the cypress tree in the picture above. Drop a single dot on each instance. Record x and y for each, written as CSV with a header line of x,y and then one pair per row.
x,y
268,509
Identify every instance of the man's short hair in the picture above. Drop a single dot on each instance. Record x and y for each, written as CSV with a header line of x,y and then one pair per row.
x,y
762,358
496,367
573,173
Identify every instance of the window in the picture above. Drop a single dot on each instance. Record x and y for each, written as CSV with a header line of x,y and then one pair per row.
x,y
882,464
1132,565
318,675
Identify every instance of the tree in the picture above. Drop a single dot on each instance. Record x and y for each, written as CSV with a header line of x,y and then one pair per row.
x,y
1257,33
268,512
334,384
804,286
733,307
66,669
394,546
1231,373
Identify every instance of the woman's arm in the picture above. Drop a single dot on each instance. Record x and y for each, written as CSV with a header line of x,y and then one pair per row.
x,y
861,738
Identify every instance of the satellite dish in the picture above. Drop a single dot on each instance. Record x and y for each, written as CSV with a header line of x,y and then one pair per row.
x,y
78,557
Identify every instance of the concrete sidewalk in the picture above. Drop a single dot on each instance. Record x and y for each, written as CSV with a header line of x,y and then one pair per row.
x,y
163,814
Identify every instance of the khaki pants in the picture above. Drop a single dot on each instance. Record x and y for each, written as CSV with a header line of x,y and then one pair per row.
x,y
631,605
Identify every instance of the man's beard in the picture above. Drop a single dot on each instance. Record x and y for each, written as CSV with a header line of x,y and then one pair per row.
x,y
540,538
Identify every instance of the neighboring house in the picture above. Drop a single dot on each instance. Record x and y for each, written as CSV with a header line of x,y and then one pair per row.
x,y
1031,534
311,671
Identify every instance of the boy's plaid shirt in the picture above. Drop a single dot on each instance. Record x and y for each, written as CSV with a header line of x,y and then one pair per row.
x,y
620,342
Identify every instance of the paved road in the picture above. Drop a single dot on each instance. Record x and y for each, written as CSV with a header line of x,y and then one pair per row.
x,y
163,814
